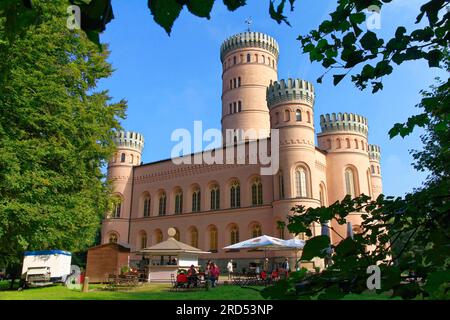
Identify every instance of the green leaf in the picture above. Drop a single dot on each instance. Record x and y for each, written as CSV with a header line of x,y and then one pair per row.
x,y
277,15
234,4
165,12
201,8
369,41
337,78
434,58
315,247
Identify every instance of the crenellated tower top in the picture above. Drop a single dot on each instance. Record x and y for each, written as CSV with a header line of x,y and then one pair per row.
x,y
249,39
290,90
344,122
129,140
374,152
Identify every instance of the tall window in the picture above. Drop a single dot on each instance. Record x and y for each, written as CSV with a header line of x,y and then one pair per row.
x,y
287,115
322,196
213,238
194,237
256,230
117,208
122,157
179,202
196,200
339,143
348,143
248,57
281,185
131,158
350,182
235,195
215,198
300,182
239,106
162,204
298,115
146,212
143,240
113,238
308,115
234,60
158,236
257,198
234,234
280,229
239,81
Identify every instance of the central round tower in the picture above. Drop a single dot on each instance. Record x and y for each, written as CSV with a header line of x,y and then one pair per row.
x,y
249,62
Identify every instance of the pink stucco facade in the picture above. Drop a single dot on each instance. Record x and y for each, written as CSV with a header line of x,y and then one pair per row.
x,y
312,175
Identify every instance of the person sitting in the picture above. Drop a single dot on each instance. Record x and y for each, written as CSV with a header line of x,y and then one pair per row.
x,y
274,276
182,280
192,276
263,275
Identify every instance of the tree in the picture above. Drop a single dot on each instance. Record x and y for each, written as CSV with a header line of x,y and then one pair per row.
x,y
56,133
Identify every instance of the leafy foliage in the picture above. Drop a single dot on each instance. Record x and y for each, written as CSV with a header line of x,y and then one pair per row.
x,y
341,43
55,134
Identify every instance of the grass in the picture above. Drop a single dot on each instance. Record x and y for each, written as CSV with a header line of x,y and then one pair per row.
x,y
147,292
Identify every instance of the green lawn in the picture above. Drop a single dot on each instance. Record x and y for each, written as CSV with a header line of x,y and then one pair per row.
x,y
147,292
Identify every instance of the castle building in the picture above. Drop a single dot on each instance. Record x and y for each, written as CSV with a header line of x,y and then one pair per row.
x,y
215,205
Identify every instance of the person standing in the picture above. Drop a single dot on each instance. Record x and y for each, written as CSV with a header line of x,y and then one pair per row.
x,y
215,272
285,266
230,269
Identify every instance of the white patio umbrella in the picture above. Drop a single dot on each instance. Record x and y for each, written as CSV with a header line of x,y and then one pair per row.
x,y
262,242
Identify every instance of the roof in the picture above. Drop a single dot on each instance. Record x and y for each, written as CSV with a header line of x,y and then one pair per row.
x,y
46,252
171,245
119,246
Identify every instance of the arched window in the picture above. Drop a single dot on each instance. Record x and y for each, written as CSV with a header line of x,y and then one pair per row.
x,y
143,240
234,234
263,59
356,144
378,169
300,182
231,109
362,144
194,237
287,115
162,204
131,158
350,182
114,159
234,107
122,157
256,230
113,238
369,184
308,116
298,115
281,185
215,198
178,201
280,229
235,195
213,238
257,197
268,60
328,144
322,195
146,207
348,143
196,200
158,236
372,169
234,83
234,60
117,207
231,83
248,57
339,143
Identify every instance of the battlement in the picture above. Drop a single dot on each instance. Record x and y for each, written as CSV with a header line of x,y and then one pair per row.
x,y
374,152
290,90
342,122
129,139
248,40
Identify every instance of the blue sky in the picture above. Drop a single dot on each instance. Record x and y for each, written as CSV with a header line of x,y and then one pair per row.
x,y
170,82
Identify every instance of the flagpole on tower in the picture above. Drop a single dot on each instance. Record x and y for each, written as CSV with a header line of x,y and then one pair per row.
x,y
249,22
